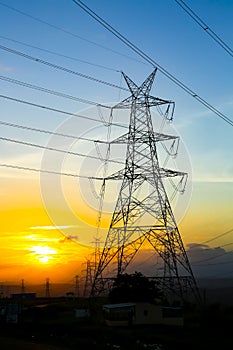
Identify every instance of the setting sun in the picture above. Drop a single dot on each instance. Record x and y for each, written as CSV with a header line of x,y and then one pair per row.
x,y
43,254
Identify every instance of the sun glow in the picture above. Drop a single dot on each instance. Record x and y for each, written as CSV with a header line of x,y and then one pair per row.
x,y
43,254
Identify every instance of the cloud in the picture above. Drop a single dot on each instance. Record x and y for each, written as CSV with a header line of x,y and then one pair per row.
x,y
196,246
48,228
210,262
68,239
39,238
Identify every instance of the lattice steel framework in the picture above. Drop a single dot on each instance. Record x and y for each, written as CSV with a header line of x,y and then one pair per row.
x,y
143,212
88,279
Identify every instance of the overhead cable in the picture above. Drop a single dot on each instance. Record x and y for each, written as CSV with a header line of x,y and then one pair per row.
x,y
218,236
213,257
64,69
59,110
204,26
216,256
44,131
12,166
214,264
59,54
54,149
148,59
68,32
52,92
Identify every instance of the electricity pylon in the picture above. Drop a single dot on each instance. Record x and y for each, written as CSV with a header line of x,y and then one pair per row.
x,y
77,286
47,288
143,212
88,278
22,286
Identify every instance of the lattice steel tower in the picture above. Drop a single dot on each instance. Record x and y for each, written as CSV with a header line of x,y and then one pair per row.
x,y
143,212
47,288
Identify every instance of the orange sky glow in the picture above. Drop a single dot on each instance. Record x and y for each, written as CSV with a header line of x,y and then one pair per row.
x,y
32,247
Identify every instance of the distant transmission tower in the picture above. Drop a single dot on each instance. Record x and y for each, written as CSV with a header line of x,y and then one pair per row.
x,y
22,286
47,288
77,286
88,278
97,253
143,213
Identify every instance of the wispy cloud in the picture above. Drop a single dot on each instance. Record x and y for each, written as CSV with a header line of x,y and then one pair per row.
x,y
5,68
49,228
40,238
68,239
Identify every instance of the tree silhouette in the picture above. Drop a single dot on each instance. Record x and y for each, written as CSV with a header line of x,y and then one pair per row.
x,y
134,288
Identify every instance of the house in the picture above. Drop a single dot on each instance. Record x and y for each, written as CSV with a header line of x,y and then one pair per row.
x,y
125,314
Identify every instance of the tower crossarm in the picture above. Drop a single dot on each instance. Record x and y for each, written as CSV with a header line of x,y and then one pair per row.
x,y
150,101
171,173
119,175
144,138
116,176
141,98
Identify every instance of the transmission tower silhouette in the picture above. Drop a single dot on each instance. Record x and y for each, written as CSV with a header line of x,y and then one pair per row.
x,y
88,278
22,286
47,288
77,286
143,213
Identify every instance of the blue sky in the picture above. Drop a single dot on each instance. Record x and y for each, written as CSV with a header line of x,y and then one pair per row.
x,y
160,28
168,35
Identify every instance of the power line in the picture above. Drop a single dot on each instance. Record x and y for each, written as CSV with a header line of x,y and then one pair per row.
x,y
68,32
212,239
49,172
59,110
59,54
218,263
52,92
64,69
151,61
204,26
24,127
218,236
224,245
213,257
54,149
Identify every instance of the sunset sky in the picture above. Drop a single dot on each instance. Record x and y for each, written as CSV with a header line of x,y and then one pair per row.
x,y
48,221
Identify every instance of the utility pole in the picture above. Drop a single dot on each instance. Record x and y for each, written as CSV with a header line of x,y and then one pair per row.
x,y
143,213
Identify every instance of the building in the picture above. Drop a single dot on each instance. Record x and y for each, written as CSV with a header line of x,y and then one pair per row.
x,y
23,295
125,314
